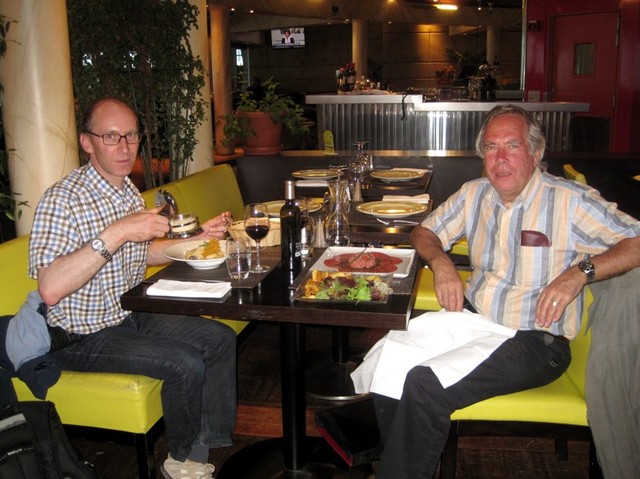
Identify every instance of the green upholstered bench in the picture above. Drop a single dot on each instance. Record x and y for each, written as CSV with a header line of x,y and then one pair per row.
x,y
118,406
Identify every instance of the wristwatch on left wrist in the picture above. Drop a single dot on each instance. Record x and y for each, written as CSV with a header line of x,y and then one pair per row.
x,y
98,245
589,269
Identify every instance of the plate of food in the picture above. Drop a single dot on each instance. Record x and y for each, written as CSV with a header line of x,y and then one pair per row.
x,y
199,254
349,259
273,207
396,174
327,286
317,174
391,209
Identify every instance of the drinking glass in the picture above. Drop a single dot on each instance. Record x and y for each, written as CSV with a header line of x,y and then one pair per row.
x,y
238,258
256,224
306,227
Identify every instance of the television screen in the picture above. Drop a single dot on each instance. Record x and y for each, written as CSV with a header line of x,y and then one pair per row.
x,y
287,38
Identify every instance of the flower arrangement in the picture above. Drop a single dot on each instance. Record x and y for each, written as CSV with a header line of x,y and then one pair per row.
x,y
446,75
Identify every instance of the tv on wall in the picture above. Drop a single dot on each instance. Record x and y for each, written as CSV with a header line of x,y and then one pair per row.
x,y
287,38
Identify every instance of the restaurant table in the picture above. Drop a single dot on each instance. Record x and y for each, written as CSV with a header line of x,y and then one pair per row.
x,y
366,229
272,299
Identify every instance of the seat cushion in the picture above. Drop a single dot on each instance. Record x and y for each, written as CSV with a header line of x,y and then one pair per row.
x,y
122,402
426,297
559,402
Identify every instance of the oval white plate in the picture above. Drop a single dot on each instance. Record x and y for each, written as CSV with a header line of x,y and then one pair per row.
x,y
391,209
315,174
273,207
176,253
396,175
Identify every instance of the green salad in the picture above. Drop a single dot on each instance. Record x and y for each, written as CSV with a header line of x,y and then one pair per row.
x,y
347,287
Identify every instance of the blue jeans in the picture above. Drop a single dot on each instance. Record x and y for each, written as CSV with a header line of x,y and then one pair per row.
x,y
414,430
194,356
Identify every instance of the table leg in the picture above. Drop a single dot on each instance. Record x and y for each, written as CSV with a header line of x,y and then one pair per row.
x,y
294,456
329,376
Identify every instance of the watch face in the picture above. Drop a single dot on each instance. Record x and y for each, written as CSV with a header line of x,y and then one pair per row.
x,y
97,244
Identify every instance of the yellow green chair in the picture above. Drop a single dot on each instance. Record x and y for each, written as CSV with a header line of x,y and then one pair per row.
x,y
122,407
570,173
557,410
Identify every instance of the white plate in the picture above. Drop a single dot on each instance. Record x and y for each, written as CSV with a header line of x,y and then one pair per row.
x,y
273,207
391,209
402,269
315,174
389,176
176,253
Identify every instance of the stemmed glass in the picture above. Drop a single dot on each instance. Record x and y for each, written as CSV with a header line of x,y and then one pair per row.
x,y
306,227
256,224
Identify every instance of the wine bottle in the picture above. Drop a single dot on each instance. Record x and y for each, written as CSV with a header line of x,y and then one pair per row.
x,y
290,223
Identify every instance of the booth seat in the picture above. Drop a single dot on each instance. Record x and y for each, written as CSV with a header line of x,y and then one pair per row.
x,y
118,406
557,410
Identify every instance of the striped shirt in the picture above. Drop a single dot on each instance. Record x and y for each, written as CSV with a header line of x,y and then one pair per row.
x,y
70,213
508,273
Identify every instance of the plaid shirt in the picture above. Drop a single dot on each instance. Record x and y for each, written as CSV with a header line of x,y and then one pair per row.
x,y
71,213
508,276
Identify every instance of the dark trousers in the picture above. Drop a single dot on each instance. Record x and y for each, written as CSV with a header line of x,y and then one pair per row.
x,y
414,430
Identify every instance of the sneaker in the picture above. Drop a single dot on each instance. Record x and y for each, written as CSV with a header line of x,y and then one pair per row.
x,y
172,469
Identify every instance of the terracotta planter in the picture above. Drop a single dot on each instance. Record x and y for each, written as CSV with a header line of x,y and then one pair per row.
x,y
267,138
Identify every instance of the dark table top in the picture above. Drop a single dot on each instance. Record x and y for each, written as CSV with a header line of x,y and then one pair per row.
x,y
273,300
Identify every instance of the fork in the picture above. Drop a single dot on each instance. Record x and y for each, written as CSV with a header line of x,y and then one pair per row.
x,y
407,222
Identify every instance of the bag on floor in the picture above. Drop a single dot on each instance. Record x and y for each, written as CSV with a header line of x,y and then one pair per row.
x,y
34,445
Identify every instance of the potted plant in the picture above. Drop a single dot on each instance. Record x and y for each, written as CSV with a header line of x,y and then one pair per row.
x,y
258,121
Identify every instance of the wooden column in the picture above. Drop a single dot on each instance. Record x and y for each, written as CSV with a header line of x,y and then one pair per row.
x,y
359,47
203,154
221,68
38,109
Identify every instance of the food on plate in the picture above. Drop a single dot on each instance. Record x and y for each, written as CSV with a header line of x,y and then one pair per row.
x,y
208,249
345,286
373,262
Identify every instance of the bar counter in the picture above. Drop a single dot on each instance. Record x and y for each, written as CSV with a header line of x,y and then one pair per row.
x,y
406,122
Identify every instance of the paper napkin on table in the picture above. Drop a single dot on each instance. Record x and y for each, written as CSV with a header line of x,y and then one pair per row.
x,y
312,183
189,289
424,198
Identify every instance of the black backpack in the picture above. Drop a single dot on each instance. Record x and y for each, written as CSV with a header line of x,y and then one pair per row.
x,y
34,445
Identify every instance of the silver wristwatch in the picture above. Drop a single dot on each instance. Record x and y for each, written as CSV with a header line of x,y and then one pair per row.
x,y
99,247
589,269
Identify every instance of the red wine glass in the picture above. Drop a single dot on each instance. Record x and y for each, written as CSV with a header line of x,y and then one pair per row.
x,y
256,225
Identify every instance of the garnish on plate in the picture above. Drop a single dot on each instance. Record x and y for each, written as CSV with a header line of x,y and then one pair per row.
x,y
208,249
343,286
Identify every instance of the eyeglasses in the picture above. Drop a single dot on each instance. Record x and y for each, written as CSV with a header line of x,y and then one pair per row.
x,y
112,139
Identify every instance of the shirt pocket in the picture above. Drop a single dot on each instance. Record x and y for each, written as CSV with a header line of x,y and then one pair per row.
x,y
532,266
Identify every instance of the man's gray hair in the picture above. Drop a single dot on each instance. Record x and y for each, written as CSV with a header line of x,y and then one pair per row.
x,y
535,136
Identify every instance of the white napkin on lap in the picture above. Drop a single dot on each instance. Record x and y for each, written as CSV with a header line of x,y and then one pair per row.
x,y
189,289
312,183
451,343
424,198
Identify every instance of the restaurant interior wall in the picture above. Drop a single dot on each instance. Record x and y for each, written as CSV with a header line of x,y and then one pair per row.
x,y
406,55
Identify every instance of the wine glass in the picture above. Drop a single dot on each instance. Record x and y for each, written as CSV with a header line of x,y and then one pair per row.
x,y
256,224
306,227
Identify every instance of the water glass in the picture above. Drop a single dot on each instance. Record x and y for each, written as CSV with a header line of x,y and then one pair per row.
x,y
238,258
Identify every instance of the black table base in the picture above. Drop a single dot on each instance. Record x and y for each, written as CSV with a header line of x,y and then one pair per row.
x,y
264,460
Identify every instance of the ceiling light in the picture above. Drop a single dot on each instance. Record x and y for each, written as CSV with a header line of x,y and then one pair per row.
x,y
446,7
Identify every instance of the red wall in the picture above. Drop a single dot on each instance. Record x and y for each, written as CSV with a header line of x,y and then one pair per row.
x,y
626,122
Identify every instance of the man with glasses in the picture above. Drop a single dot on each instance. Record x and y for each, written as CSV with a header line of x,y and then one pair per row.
x,y
91,241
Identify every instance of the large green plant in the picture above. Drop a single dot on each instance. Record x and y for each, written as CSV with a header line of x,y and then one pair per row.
x,y
140,50
8,203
